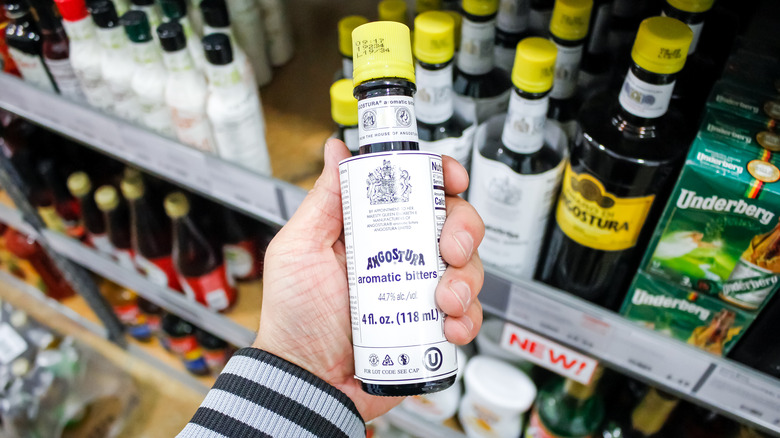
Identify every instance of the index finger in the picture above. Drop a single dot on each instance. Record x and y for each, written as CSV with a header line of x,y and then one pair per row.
x,y
456,179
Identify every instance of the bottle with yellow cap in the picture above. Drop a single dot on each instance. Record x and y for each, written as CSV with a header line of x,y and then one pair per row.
x,y
481,89
80,186
514,177
511,27
343,109
623,164
198,262
567,409
440,129
117,219
422,6
539,17
568,29
391,177
646,420
595,67
392,10
346,26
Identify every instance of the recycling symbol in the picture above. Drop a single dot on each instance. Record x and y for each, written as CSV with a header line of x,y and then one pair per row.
x,y
387,362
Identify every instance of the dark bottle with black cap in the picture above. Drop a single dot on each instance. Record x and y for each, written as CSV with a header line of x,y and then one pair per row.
x,y
56,51
176,11
25,44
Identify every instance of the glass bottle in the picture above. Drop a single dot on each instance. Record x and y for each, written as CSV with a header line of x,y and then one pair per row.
x,y
201,267
153,315
343,110
346,26
25,44
481,90
25,247
567,409
216,351
244,246
596,57
512,25
125,304
117,220
623,163
180,339
388,165
539,18
176,11
439,128
647,419
66,206
515,177
56,52
392,10
80,186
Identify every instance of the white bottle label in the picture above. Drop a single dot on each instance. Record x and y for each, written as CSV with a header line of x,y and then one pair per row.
x,y
152,272
479,110
515,209
567,66
102,243
645,100
347,67
513,15
433,101
156,116
126,105
193,129
238,261
94,88
458,148
32,69
524,125
504,58
392,204
352,139
240,135
476,48
387,118
66,79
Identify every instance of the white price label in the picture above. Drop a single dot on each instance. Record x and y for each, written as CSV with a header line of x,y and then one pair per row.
x,y
11,344
745,395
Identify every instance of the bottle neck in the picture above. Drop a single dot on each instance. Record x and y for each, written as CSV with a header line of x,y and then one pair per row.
x,y
476,44
513,16
386,118
643,98
112,38
227,30
524,125
146,53
567,67
178,61
694,20
226,79
80,30
577,392
653,411
433,102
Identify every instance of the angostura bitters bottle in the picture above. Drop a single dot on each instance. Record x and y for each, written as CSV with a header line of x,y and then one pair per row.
x,y
343,109
346,26
512,25
515,177
393,204
623,161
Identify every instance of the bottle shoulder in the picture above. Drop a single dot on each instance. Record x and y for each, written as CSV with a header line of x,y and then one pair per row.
x,y
543,160
455,126
491,84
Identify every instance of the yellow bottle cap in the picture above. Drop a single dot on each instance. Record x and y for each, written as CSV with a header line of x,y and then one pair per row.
x,y
427,5
570,19
692,5
176,205
343,105
346,26
661,45
434,37
392,10
382,49
79,184
458,19
480,7
132,187
106,198
534,67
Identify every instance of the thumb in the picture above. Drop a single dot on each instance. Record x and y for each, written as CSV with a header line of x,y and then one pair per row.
x,y
319,217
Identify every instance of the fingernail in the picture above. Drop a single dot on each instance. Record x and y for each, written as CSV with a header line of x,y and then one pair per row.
x,y
467,323
462,292
465,243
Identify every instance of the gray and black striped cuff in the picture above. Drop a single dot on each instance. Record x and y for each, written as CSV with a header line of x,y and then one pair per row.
x,y
261,395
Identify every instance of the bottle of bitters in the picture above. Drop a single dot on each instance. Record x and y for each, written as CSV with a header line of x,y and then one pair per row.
x,y
393,203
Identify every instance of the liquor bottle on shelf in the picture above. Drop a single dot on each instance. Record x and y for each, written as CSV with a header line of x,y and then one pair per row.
x,y
422,6
515,175
278,31
186,91
244,246
567,409
117,220
216,351
116,62
756,349
150,231
392,10
458,20
346,26
596,58
176,11
622,167
149,77
180,339
201,267
84,52
234,110
623,25
150,8
247,22
481,90
691,421
25,247
153,315
217,20
125,305
512,25
539,17
80,186
439,128
25,44
568,29
344,111
6,61
65,205
56,51
646,420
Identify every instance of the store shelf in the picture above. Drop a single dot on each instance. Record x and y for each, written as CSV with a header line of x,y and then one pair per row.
x,y
703,378
266,198
13,218
421,427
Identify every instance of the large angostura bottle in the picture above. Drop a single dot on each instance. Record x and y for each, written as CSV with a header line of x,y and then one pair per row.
x,y
343,110
80,186
117,220
25,45
567,409
623,162
481,90
394,208
439,128
511,27
568,29
515,177
646,420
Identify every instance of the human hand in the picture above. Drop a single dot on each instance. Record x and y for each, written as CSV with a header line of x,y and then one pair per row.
x,y
305,317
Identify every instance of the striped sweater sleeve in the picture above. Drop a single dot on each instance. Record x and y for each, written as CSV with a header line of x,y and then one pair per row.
x,y
261,395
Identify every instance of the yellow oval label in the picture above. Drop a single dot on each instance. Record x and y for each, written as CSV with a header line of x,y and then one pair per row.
x,y
763,171
595,218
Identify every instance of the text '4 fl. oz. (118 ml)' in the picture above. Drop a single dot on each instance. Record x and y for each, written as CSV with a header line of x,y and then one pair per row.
x,y
393,201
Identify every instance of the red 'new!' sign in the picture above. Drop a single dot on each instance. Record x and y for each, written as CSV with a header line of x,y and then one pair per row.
x,y
548,354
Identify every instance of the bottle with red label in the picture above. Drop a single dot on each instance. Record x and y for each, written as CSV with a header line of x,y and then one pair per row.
x,y
117,220
26,248
6,62
244,246
125,305
24,41
150,231
153,315
181,340
198,262
80,186
215,350
65,205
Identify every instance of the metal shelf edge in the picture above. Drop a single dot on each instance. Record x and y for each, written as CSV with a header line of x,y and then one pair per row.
x,y
13,218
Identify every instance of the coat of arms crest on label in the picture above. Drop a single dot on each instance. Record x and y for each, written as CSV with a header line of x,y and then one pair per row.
x,y
388,184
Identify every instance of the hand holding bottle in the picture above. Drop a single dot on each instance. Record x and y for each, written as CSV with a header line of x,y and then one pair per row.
x,y
306,313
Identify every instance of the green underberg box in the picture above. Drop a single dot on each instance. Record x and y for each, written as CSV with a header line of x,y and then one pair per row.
x,y
714,259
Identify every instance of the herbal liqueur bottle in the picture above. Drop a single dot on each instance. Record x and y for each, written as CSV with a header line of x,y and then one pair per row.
x,y
25,44
514,178
481,90
56,52
647,419
343,109
346,26
511,27
568,29
567,409
439,128
117,220
80,186
623,162
394,208
176,11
